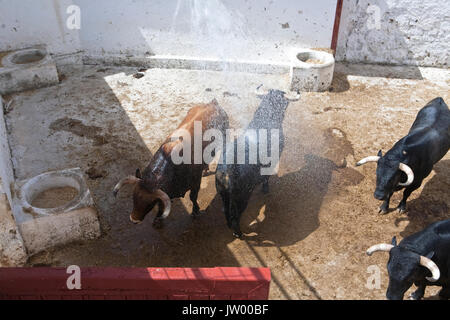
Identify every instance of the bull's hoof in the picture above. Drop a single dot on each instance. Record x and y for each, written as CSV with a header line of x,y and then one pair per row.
x,y
383,210
416,295
401,207
237,235
157,223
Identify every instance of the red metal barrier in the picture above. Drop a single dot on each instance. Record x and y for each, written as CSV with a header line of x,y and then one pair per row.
x,y
137,283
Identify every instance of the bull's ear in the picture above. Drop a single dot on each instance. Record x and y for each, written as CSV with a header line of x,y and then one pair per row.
x,y
394,241
138,173
380,154
430,255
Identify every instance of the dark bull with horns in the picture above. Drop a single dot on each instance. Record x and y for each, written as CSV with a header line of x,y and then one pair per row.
x,y
422,259
163,180
412,158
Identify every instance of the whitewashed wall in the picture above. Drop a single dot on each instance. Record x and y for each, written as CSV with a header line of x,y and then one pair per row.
x,y
413,32
24,23
230,29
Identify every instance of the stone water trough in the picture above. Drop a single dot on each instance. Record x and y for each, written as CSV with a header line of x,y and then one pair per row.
x,y
52,208
28,68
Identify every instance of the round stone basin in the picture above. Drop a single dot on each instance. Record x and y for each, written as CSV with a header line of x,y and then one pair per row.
x,y
52,192
315,58
311,70
23,57
54,197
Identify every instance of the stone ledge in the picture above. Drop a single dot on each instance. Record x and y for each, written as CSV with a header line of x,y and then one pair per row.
x,y
43,228
25,69
12,249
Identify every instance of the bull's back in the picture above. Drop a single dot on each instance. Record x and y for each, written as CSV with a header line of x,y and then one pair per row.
x,y
267,117
434,115
430,134
434,237
210,115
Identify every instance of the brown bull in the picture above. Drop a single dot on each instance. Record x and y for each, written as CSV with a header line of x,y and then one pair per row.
x,y
163,180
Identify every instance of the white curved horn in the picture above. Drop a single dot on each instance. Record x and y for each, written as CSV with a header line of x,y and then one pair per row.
x,y
259,92
126,180
368,159
406,169
166,202
292,96
430,265
379,247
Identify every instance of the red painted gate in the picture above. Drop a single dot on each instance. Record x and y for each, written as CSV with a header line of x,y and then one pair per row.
x,y
137,283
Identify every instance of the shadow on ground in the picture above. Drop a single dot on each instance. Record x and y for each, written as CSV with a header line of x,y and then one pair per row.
x,y
433,203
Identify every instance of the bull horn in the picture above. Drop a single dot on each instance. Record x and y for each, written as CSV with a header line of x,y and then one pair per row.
x,y
379,247
406,169
430,265
166,202
126,180
259,92
292,96
368,159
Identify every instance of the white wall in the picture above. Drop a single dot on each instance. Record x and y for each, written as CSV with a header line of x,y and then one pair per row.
x,y
24,23
413,32
229,29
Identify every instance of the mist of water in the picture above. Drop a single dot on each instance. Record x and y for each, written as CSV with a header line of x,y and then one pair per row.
x,y
217,30
222,33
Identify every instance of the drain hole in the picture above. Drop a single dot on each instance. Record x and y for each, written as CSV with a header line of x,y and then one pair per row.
x,y
309,57
54,197
28,57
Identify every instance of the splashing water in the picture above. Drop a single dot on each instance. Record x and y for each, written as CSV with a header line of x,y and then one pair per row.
x,y
217,32
215,29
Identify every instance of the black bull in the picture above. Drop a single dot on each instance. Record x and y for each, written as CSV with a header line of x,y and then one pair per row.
x,y
422,258
235,182
412,158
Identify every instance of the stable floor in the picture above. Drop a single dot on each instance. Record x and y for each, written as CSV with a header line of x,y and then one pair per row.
x,y
320,216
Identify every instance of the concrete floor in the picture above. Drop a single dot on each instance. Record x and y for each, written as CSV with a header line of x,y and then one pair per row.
x,y
314,226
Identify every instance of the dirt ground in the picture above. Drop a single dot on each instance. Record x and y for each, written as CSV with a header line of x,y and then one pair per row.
x,y
314,226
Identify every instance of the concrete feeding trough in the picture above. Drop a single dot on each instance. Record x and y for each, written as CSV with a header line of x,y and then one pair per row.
x,y
311,70
54,208
26,69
